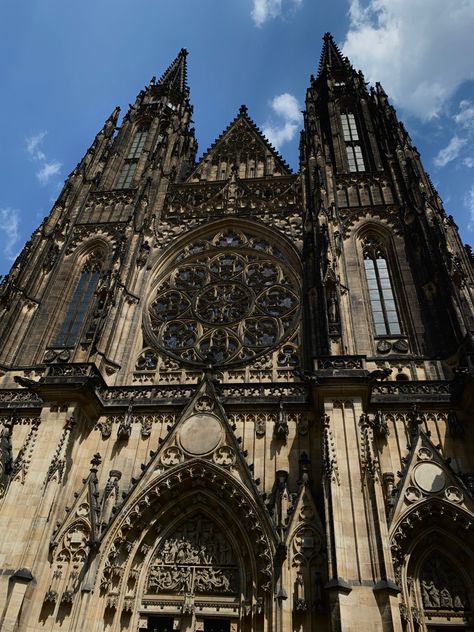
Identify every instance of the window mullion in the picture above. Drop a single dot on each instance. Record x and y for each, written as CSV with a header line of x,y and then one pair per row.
x,y
381,296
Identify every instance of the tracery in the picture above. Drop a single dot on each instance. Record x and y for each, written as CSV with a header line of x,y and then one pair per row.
x,y
228,299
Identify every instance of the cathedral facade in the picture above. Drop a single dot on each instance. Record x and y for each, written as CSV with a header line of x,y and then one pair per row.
x,y
238,398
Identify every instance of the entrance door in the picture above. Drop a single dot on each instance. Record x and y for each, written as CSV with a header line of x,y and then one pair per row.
x,y
160,624
216,625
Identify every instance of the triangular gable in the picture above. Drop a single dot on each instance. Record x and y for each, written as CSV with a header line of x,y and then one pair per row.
x,y
428,476
202,432
241,136
83,515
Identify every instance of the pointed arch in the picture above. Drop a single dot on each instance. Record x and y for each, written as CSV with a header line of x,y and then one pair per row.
x,y
438,529
227,293
149,518
87,267
382,282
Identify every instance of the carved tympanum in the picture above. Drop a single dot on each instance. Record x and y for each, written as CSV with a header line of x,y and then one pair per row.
x,y
441,586
197,558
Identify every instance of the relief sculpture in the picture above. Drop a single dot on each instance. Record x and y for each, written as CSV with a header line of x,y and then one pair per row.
x,y
441,587
197,559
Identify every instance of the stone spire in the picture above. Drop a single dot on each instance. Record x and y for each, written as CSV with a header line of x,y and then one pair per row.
x,y
174,78
331,57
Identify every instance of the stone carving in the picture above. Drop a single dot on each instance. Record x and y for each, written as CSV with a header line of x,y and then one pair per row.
x,y
299,604
380,424
442,587
173,455
260,425
224,456
147,361
330,468
194,314
412,494
125,426
111,495
425,454
6,458
56,469
68,563
22,461
306,543
281,429
454,494
204,404
197,559
105,427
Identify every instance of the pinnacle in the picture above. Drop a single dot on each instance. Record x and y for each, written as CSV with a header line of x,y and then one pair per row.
x,y
331,56
175,76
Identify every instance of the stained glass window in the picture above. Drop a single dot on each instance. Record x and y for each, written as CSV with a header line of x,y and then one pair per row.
x,y
382,299
130,165
78,307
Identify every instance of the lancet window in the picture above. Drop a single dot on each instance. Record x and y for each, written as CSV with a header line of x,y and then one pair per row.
x,y
80,303
130,165
382,300
355,158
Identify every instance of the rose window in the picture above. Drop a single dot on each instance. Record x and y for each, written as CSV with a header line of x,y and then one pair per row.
x,y
227,300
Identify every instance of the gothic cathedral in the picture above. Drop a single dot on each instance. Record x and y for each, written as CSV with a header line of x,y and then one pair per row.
x,y
235,398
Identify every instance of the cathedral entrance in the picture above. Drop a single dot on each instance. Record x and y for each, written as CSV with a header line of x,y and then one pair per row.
x,y
160,624
216,625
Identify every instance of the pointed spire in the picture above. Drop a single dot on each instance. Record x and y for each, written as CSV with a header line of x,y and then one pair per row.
x,y
331,56
175,77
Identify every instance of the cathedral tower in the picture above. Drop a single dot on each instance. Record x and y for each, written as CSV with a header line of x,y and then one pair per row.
x,y
238,398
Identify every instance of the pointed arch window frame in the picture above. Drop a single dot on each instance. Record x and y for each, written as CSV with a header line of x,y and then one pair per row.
x,y
80,303
383,300
135,150
353,143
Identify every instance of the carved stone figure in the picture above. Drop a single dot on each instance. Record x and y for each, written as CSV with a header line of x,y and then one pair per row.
x,y
441,586
197,559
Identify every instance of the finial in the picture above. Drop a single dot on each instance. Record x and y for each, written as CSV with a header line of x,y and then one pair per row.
x,y
243,110
96,461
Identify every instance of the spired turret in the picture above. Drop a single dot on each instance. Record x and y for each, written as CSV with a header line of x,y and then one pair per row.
x,y
106,211
212,371
372,195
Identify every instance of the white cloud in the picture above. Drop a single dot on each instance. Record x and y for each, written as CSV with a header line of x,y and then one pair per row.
x,y
420,50
47,171
469,204
450,152
9,226
468,162
33,145
465,116
286,107
264,10
48,168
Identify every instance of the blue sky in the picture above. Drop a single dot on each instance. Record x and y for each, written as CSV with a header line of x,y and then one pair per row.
x,y
65,66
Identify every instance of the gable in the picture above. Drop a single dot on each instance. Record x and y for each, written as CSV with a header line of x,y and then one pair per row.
x,y
241,150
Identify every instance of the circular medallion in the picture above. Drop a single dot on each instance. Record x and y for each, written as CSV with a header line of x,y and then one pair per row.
x,y
430,477
200,434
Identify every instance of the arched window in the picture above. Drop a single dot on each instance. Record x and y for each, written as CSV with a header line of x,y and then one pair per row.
x,y
80,303
355,158
129,166
382,299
